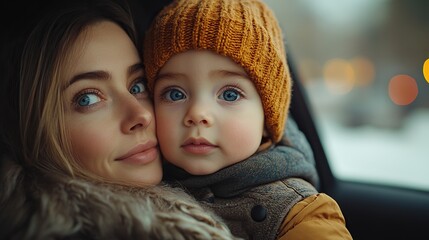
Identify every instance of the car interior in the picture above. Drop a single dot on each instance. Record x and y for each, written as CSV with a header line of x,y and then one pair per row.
x,y
372,211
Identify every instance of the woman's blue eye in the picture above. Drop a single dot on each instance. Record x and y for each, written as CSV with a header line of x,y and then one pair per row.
x,y
230,95
175,95
88,99
137,88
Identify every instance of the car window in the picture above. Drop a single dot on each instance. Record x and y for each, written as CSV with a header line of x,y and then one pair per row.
x,y
365,68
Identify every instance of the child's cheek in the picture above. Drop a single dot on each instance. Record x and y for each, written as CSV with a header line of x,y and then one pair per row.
x,y
242,135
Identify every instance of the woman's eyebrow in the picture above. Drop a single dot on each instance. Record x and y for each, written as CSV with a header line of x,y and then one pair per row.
x,y
94,75
103,75
135,68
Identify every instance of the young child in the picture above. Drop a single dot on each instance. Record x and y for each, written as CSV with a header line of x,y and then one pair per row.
x,y
221,87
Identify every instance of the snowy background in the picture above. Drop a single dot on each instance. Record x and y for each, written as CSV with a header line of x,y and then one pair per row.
x,y
347,54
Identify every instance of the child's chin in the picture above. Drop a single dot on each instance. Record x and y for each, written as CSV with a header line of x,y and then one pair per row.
x,y
202,170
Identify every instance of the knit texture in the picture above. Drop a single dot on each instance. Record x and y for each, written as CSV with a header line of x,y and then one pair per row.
x,y
246,31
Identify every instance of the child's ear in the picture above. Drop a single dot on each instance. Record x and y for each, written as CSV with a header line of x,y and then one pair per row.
x,y
265,134
265,142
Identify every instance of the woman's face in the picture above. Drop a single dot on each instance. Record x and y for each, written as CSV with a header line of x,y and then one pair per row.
x,y
109,116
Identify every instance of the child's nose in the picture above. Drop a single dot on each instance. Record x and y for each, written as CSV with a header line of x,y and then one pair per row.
x,y
199,115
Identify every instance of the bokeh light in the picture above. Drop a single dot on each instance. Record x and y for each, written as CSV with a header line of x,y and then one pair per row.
x,y
339,76
364,71
426,70
403,89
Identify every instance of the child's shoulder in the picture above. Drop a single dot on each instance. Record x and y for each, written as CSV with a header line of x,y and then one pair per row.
x,y
327,220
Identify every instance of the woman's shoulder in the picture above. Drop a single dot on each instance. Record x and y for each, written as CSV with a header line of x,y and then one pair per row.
x,y
36,206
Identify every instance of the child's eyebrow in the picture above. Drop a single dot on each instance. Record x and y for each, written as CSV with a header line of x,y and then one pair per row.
x,y
229,73
214,73
165,76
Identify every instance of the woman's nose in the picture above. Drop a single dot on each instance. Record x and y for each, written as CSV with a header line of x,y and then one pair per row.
x,y
136,116
198,115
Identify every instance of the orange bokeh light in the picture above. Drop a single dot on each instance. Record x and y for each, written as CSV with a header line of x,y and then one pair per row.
x,y
339,76
364,71
403,89
426,70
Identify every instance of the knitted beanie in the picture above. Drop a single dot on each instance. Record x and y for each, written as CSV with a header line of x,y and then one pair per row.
x,y
244,30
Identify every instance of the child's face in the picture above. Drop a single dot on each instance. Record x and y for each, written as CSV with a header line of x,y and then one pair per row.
x,y
208,112
108,113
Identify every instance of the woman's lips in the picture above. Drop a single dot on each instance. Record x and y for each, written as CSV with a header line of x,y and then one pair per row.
x,y
141,154
198,146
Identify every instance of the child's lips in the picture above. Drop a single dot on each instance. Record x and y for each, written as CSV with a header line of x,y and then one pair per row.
x,y
198,146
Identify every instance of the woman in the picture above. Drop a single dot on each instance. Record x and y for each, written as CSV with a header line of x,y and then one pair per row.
x,y
80,153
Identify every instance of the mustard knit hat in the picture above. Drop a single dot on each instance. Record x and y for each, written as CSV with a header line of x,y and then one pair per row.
x,y
244,30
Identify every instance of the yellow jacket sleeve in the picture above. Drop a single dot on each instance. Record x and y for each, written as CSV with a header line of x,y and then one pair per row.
x,y
316,217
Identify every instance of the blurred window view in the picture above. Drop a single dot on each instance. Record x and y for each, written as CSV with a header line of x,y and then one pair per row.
x,y
365,67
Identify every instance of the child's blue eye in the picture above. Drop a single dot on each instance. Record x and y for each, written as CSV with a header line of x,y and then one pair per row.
x,y
88,99
175,95
230,95
137,88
